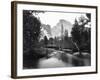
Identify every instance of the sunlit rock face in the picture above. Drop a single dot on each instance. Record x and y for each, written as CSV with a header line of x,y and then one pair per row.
x,y
45,31
56,30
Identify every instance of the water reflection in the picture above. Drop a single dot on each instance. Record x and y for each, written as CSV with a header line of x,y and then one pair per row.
x,y
63,60
58,59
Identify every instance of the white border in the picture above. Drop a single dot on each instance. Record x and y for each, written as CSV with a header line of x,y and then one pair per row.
x,y
31,72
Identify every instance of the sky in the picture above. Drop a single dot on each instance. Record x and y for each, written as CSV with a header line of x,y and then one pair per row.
x,y
52,18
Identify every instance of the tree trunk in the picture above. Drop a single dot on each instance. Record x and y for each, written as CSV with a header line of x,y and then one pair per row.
x,y
80,53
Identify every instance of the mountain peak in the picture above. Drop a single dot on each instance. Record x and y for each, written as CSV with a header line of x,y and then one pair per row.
x,y
56,30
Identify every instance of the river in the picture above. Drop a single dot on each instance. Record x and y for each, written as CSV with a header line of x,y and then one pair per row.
x,y
60,59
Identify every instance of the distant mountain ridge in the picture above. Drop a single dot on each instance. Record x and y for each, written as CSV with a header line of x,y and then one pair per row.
x,y
46,30
56,30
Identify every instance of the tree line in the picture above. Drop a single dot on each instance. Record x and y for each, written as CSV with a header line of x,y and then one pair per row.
x,y
81,35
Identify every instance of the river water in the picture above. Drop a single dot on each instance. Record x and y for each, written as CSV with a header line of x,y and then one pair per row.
x,y
63,60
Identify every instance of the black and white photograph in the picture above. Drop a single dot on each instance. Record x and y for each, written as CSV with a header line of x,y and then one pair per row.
x,y
56,39
53,39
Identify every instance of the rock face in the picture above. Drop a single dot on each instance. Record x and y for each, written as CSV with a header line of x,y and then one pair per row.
x,y
56,30
46,31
